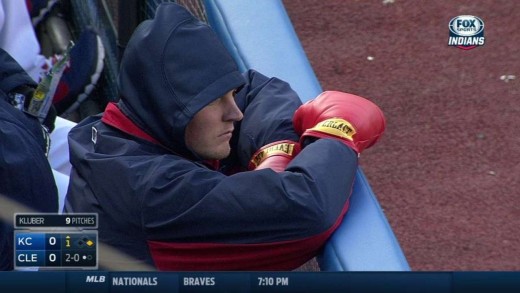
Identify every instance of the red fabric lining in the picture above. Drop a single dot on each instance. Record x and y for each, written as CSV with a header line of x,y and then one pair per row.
x,y
284,255
115,118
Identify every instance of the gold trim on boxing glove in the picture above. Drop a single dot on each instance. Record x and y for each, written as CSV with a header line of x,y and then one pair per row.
x,y
337,127
273,149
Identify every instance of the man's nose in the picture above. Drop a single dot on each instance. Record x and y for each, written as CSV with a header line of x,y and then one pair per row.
x,y
234,112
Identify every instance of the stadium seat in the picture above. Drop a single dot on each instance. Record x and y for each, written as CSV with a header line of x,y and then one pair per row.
x,y
260,35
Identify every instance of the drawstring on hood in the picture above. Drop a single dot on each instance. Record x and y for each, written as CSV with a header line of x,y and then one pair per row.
x,y
174,65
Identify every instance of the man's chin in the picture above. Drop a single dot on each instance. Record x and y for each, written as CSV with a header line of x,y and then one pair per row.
x,y
223,155
218,154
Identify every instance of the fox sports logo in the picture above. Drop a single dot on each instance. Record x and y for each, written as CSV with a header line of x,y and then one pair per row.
x,y
466,32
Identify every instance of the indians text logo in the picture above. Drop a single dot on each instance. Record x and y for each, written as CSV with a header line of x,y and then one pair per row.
x,y
466,32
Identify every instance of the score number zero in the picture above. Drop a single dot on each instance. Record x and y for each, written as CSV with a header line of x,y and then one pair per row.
x,y
66,249
273,281
69,257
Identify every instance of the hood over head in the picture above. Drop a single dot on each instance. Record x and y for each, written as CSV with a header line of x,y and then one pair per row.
x,y
173,66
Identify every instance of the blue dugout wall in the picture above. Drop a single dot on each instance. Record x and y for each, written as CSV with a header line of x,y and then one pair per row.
x,y
260,35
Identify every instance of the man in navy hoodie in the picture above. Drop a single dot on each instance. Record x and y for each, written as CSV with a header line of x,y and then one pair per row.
x,y
201,167
25,174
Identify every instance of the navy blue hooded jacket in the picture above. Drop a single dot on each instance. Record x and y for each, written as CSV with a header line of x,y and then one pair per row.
x,y
162,205
25,173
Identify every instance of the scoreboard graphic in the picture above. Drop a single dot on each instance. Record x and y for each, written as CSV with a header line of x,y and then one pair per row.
x,y
56,241
63,248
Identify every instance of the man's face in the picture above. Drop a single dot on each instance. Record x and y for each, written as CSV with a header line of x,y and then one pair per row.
x,y
209,132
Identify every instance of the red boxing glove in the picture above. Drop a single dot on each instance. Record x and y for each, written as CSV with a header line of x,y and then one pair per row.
x,y
276,155
354,120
